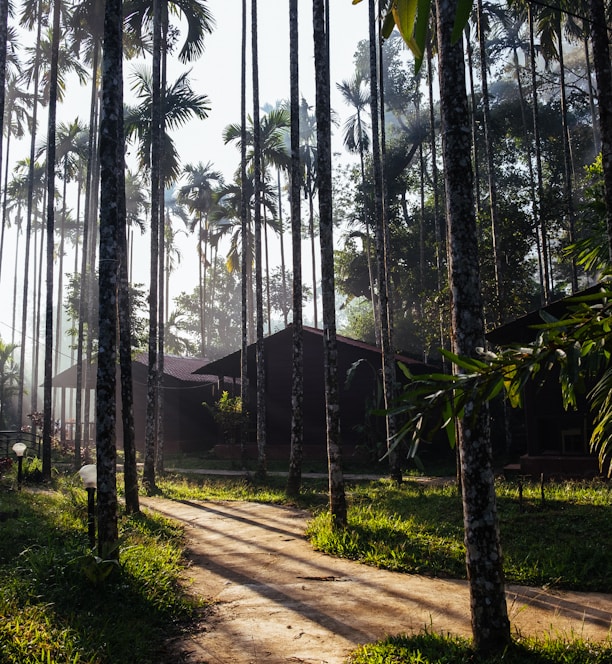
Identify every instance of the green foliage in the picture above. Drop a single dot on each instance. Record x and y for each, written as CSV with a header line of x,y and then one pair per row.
x,y
139,313
9,381
430,648
578,346
229,416
57,602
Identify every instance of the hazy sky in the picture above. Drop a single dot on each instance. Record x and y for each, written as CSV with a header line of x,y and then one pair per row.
x,y
217,73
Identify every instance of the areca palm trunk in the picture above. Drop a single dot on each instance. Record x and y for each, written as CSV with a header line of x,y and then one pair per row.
x,y
159,446
257,220
294,480
491,177
152,373
603,74
440,248
490,624
545,267
85,283
282,247
567,155
4,11
111,165
130,468
382,255
244,222
28,231
337,497
48,364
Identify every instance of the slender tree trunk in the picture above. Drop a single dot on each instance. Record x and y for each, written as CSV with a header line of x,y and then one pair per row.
x,y
261,369
382,255
491,175
490,624
85,282
567,155
152,375
294,480
244,219
159,446
538,155
111,165
603,75
28,232
337,498
440,246
130,468
48,364
4,10
282,248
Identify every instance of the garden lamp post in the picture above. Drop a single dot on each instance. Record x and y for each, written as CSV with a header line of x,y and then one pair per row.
x,y
19,449
89,474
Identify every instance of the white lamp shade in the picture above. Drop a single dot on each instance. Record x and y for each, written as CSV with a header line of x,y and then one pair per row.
x,y
89,475
19,449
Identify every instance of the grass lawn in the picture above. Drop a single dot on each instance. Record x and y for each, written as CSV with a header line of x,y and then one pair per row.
x,y
55,605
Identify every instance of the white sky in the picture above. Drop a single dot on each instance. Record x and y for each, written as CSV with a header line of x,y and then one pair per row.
x,y
217,74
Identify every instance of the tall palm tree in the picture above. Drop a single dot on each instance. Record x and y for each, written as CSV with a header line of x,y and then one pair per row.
x,y
357,140
294,479
179,103
337,498
111,203
257,222
245,291
4,12
32,16
603,73
482,26
51,151
198,195
491,628
551,41
382,253
16,118
272,139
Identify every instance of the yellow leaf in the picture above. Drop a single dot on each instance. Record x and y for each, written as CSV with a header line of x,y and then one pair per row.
x,y
404,13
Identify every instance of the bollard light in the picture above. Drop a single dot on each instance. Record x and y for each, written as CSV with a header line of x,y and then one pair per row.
x,y
89,475
19,449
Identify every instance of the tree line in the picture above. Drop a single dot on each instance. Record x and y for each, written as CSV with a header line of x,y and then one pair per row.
x,y
466,207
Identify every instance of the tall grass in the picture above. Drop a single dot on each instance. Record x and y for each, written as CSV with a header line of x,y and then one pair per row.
x,y
563,541
58,604
431,648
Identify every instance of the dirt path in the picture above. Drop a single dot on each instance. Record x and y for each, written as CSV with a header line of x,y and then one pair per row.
x,y
277,600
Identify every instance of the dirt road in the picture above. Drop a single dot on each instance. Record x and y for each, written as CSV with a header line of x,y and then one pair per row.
x,y
277,601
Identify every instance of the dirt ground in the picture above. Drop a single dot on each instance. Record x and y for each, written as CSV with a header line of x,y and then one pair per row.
x,y
275,600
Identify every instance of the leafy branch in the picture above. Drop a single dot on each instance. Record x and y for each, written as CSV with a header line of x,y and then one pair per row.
x,y
578,346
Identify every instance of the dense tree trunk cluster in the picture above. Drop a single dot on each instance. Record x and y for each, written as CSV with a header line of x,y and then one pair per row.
x,y
410,277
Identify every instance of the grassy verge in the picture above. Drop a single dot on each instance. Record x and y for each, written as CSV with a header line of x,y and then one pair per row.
x,y
56,603
56,607
563,542
435,649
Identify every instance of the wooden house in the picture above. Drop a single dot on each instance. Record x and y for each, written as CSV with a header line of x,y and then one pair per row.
x,y
362,434
547,439
188,425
